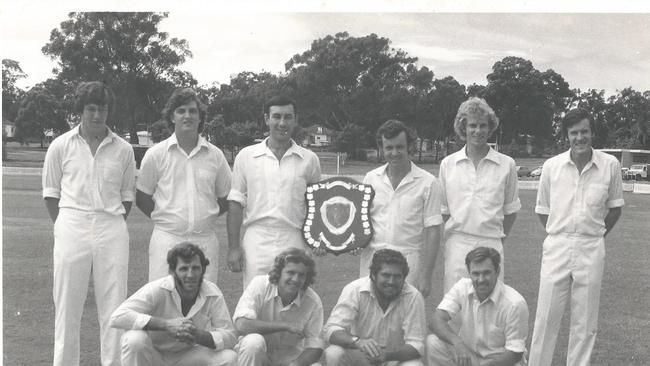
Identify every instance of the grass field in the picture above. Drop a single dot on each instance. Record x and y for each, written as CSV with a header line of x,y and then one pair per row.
x,y
28,315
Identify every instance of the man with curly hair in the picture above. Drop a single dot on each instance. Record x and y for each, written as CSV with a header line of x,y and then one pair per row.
x,y
183,184
405,212
88,187
379,318
480,193
280,316
180,319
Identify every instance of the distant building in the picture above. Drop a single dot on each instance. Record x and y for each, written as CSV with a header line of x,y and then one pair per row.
x,y
627,157
9,128
318,135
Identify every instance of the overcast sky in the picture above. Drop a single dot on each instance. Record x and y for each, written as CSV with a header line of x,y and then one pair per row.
x,y
599,50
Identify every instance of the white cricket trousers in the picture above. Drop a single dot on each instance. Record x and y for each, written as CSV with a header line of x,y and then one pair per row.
x,y
339,356
139,350
161,242
252,351
86,243
261,244
412,258
572,268
457,246
440,353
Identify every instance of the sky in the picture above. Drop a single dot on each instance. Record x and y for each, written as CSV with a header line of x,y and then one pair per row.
x,y
601,50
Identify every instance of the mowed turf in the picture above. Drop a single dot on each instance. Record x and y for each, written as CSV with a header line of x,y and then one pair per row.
x,y
624,321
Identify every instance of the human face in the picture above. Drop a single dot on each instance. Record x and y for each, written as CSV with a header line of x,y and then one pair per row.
x,y
281,121
580,137
388,281
484,277
94,115
186,118
292,279
396,149
477,130
188,275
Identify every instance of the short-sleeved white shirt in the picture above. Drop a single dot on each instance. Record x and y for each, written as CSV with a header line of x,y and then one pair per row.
x,y
272,192
497,324
160,299
577,203
399,216
476,199
358,312
261,301
185,188
84,182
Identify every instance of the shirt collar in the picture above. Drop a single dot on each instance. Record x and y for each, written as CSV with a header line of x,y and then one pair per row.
x,y
414,173
207,289
276,295
491,155
595,159
494,296
173,141
262,149
110,135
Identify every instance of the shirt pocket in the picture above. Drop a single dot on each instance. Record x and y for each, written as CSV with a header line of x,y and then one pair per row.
x,y
205,180
496,338
111,174
596,195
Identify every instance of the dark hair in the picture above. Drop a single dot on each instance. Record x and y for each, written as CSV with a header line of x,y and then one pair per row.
x,y
293,255
392,128
187,251
574,116
280,100
388,256
181,97
93,92
482,253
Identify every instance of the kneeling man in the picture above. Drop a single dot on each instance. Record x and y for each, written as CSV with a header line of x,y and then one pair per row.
x,y
180,319
378,318
280,316
492,318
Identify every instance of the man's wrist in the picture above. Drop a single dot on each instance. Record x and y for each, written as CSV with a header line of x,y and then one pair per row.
x,y
353,343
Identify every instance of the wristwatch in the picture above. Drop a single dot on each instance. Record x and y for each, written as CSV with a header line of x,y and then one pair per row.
x,y
355,339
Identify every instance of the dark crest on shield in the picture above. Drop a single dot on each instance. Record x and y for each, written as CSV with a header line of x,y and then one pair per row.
x,y
338,215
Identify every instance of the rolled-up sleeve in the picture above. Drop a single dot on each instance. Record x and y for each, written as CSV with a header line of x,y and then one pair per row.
x,y
414,324
222,330
451,302
148,178
238,187
517,328
615,191
53,170
315,171
249,302
313,328
224,177
344,312
132,314
542,203
512,203
432,215
127,190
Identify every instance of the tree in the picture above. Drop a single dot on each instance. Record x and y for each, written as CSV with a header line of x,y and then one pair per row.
x,y
444,101
39,112
629,117
524,98
361,80
594,101
232,137
348,140
11,94
159,131
129,53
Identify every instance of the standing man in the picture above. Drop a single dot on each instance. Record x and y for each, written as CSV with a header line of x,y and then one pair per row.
x,y
183,184
480,195
279,316
579,201
88,187
379,318
267,200
493,318
180,319
405,212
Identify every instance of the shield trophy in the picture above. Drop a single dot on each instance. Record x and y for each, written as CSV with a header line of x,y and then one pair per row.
x,y
338,215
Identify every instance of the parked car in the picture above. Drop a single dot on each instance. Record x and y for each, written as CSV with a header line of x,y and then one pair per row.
x,y
638,172
536,172
523,171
